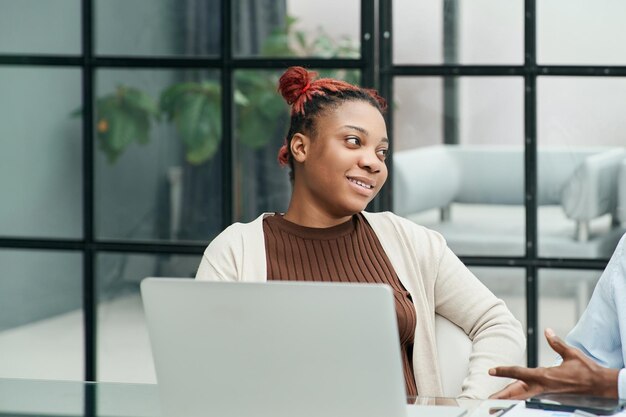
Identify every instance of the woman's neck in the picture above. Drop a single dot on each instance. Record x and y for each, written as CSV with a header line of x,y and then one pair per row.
x,y
312,216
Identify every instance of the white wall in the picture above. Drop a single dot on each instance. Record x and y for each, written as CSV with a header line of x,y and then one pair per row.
x,y
337,18
581,32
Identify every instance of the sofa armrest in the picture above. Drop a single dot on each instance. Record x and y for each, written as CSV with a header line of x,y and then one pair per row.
x,y
424,179
592,190
620,210
454,348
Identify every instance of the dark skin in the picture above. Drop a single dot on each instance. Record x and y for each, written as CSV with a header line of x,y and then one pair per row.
x,y
577,374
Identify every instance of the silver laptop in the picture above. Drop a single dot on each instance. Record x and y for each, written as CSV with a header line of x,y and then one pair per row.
x,y
274,349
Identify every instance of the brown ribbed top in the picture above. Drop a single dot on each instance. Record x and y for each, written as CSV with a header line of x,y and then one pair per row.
x,y
348,252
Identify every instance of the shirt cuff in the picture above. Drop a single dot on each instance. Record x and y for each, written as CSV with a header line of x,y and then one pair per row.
x,y
621,383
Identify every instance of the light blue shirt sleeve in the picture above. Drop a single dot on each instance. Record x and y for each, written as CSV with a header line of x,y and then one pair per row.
x,y
601,331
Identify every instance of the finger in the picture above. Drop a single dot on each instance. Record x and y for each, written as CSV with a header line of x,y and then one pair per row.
x,y
556,343
515,372
514,389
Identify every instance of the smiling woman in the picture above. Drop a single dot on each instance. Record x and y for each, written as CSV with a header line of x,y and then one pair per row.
x,y
336,148
339,167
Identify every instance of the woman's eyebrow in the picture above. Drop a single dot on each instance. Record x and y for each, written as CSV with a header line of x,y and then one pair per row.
x,y
357,128
364,131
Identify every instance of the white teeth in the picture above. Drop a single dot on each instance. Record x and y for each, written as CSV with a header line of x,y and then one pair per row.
x,y
362,184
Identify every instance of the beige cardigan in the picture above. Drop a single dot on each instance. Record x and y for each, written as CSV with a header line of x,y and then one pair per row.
x,y
436,279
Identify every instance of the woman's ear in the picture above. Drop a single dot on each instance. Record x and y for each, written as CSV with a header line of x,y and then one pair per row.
x,y
299,147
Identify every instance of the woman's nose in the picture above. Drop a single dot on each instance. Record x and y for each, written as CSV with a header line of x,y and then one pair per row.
x,y
370,161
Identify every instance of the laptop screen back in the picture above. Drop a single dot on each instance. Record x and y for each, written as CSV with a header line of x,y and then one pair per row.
x,y
274,349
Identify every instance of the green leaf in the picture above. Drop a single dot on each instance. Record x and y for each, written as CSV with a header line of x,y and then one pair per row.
x,y
189,119
141,101
123,130
195,110
208,140
290,21
123,118
240,98
142,124
301,38
276,45
253,132
271,105
199,123
170,97
210,88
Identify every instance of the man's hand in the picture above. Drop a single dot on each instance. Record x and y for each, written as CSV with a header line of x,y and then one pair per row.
x,y
577,374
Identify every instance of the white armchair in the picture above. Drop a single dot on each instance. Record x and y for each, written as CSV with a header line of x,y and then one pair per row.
x,y
453,351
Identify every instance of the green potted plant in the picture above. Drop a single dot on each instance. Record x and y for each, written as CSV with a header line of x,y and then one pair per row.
x,y
125,116
121,118
194,108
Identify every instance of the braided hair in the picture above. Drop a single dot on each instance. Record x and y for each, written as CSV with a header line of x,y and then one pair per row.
x,y
309,97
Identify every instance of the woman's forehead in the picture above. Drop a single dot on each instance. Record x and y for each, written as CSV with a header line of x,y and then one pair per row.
x,y
360,114
352,109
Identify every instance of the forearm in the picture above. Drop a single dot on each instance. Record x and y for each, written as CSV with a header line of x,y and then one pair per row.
x,y
501,342
497,336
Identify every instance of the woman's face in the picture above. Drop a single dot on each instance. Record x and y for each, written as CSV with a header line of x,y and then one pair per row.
x,y
343,166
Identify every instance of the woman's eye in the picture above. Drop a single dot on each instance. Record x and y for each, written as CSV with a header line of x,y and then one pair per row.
x,y
383,152
354,141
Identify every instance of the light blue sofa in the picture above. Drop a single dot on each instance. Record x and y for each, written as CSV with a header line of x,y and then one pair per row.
x,y
474,196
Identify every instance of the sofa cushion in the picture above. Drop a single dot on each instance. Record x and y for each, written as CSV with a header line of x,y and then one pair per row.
x,y
591,190
424,178
499,230
489,175
495,174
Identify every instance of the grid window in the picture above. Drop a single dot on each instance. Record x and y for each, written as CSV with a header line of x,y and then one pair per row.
x,y
41,314
124,353
102,172
40,156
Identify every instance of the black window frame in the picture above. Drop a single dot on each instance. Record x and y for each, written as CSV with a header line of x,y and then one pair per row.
x,y
377,70
531,262
88,62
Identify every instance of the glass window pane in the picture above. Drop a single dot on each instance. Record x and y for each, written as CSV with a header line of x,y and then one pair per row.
x,y
157,27
261,185
261,122
458,160
40,152
41,315
124,353
297,28
458,32
40,27
563,296
158,155
581,32
582,165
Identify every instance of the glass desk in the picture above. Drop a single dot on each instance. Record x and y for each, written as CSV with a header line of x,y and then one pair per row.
x,y
26,397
